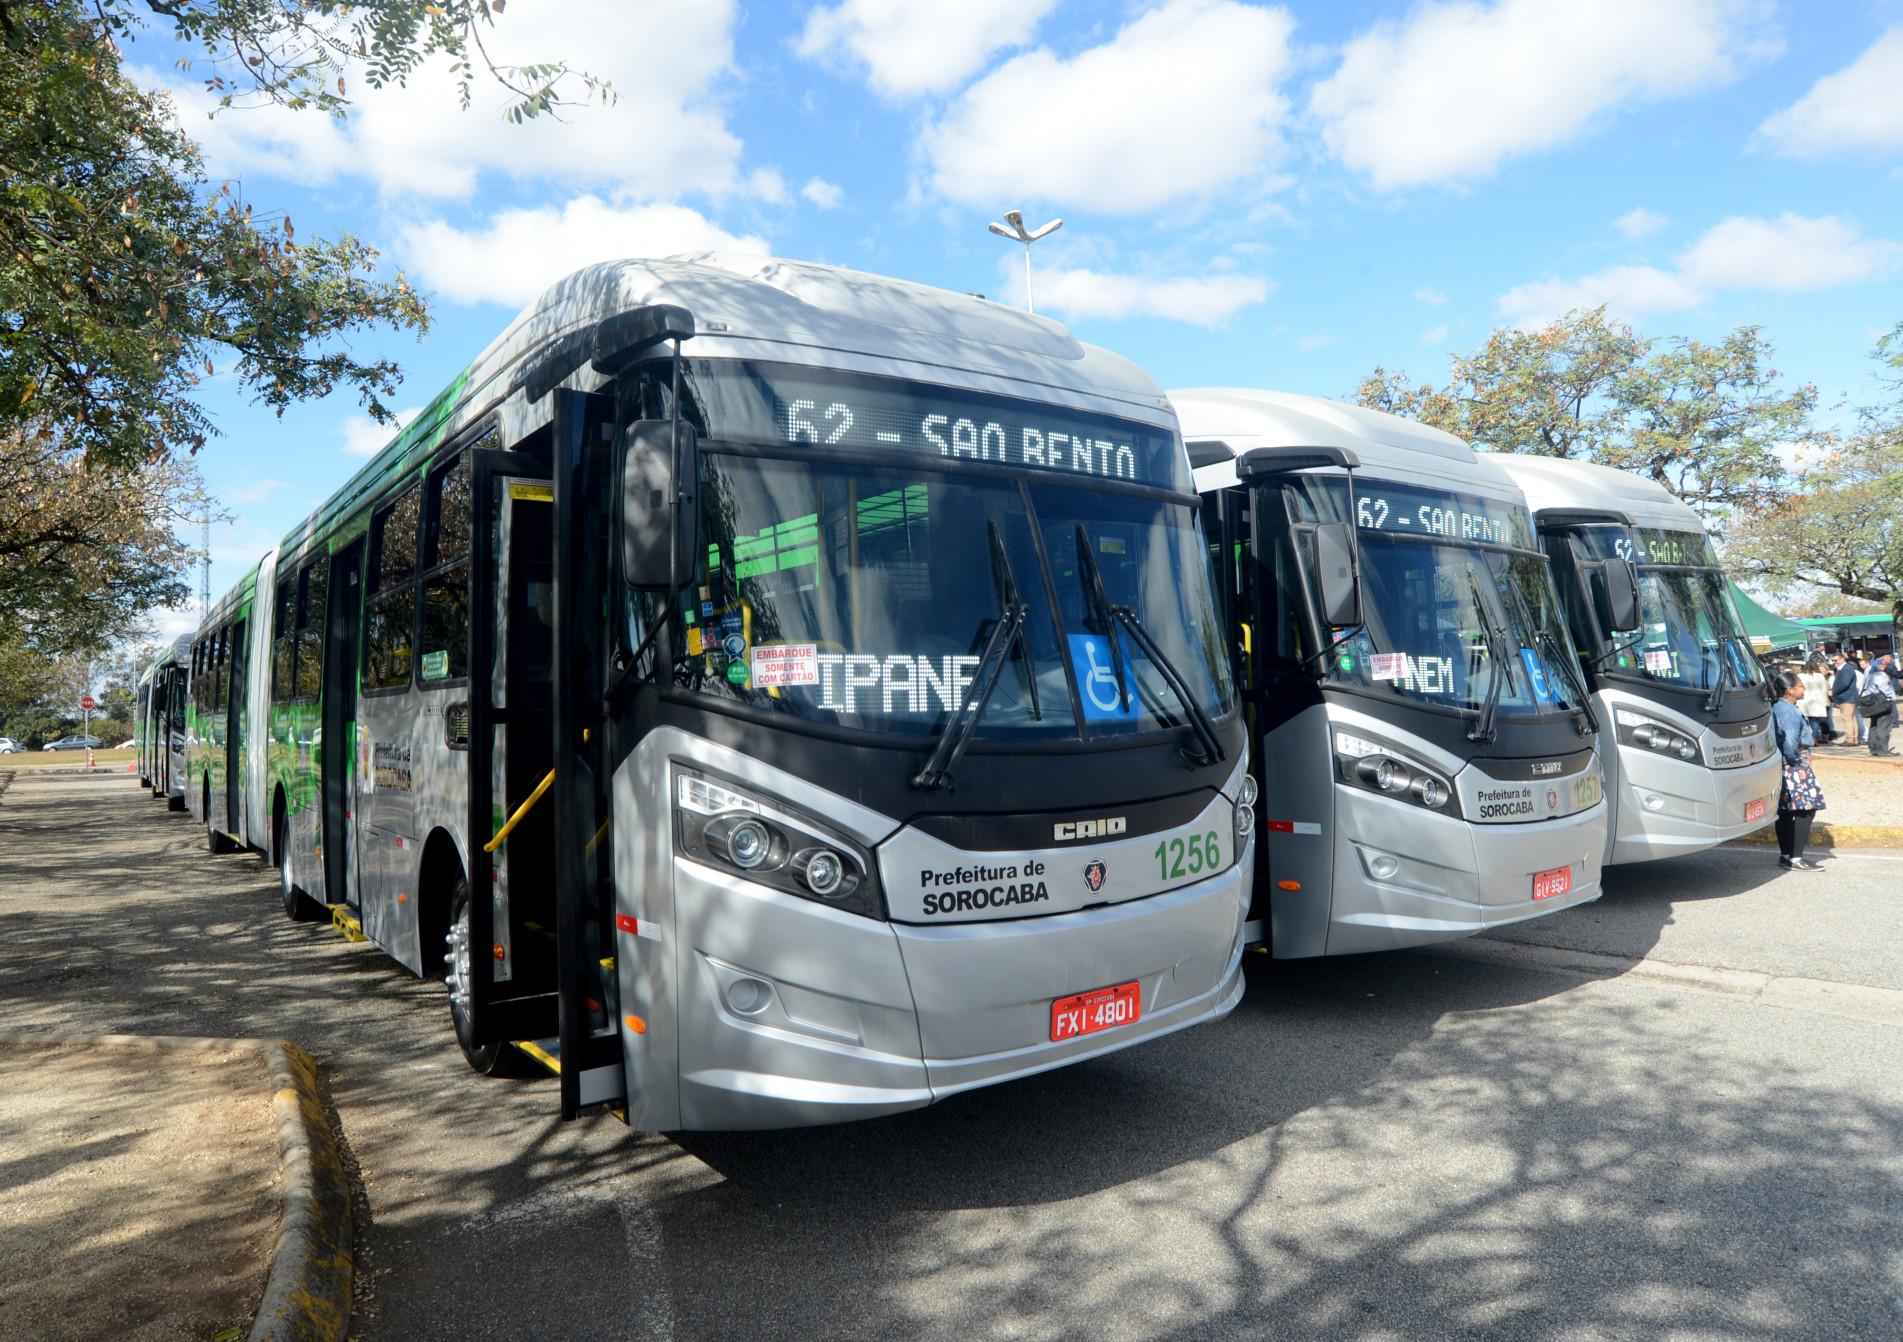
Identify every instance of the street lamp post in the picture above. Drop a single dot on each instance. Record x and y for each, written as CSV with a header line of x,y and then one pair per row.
x,y
1017,233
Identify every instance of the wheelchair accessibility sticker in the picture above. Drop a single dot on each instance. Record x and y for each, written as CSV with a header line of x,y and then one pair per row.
x,y
1097,679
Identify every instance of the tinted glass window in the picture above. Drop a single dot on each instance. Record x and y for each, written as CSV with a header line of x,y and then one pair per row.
x,y
393,542
312,607
445,626
449,514
283,622
386,641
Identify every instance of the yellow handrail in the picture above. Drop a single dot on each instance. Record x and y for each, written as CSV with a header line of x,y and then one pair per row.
x,y
520,811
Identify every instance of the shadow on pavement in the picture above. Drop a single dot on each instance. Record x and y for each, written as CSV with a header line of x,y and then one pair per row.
x,y
1368,1148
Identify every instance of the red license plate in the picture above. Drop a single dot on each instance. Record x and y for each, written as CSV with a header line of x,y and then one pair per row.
x,y
1098,1009
1754,810
1558,881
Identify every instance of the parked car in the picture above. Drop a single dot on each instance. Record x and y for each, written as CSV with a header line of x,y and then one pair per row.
x,y
73,743
9,746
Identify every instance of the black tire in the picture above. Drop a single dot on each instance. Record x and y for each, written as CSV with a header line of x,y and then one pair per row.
x,y
488,1059
298,906
174,803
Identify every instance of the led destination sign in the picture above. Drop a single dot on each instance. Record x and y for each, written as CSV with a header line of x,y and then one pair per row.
x,y
1397,509
777,403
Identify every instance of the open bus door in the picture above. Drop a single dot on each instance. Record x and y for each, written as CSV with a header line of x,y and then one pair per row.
x,y
591,1053
538,915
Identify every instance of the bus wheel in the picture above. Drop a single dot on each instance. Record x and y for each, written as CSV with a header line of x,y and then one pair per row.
x,y
298,906
174,803
489,1059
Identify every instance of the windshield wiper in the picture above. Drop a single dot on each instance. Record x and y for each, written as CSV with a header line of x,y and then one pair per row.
x,y
1099,598
1094,589
1721,651
1483,730
1199,720
1544,640
1007,633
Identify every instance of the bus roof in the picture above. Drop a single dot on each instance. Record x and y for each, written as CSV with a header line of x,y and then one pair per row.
x,y
758,307
1555,482
1221,423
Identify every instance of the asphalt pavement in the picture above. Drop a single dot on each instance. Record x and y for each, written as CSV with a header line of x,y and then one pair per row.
x,y
1401,1146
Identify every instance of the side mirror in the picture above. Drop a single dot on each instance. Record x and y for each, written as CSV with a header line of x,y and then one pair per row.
x,y
1618,593
658,540
1335,574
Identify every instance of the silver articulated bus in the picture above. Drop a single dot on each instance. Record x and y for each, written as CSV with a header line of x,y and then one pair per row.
x,y
158,724
1427,748
768,694
1670,666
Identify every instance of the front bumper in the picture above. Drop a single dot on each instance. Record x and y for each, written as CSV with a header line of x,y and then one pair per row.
x,y
1452,878
855,1018
1667,807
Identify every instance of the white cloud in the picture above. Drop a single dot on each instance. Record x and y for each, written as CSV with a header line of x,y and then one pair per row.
x,y
1315,342
522,252
1434,335
767,185
1181,103
1640,223
823,194
1789,254
914,47
364,437
664,136
1860,108
1457,86
1432,297
1081,292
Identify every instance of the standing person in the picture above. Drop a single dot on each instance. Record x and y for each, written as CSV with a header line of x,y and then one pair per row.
x,y
1878,703
1816,701
1843,698
1800,798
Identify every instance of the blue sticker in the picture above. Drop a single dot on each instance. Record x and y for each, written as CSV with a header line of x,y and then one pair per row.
x,y
735,644
731,623
1097,680
1536,672
706,610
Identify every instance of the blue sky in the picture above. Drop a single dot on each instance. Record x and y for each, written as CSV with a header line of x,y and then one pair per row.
x,y
1266,195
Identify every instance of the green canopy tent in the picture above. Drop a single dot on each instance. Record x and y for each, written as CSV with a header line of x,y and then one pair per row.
x,y
1871,633
1769,631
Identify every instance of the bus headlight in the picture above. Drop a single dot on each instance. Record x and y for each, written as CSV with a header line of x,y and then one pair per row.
x,y
1245,821
1246,794
1635,729
1384,769
824,872
743,841
731,826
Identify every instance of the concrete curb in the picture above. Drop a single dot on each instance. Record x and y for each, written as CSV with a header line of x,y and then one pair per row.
x,y
307,1294
1837,836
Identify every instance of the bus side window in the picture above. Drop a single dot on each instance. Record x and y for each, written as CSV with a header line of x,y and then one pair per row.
x,y
445,648
313,588
282,686
388,630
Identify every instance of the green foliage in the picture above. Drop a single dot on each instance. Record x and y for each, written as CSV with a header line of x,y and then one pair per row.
x,y
124,272
1841,532
1703,420
301,52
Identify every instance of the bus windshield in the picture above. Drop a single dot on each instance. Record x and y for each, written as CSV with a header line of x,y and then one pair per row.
x,y
1690,634
863,594
1452,597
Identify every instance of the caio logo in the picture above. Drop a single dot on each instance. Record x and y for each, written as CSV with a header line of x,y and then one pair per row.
x,y
1072,830
1095,873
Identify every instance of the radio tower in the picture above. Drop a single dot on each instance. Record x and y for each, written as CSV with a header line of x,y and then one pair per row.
x,y
204,569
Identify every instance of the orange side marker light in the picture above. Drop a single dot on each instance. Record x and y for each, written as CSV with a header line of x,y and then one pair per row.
x,y
1289,885
499,952
636,1024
